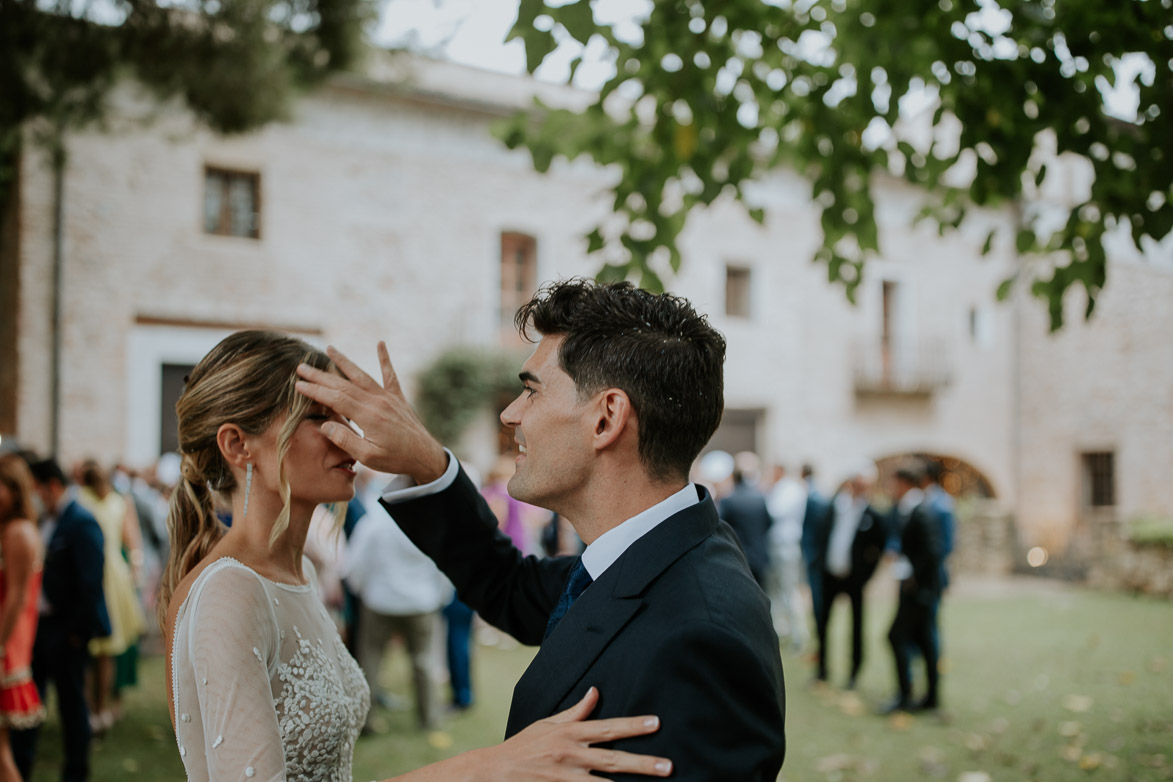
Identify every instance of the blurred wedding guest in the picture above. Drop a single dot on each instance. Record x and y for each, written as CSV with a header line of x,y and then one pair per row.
x,y
120,530
812,518
744,509
325,547
714,470
72,611
355,510
918,572
21,555
942,506
850,543
787,505
136,486
400,595
511,513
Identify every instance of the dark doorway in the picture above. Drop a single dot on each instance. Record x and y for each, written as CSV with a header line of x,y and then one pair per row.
x,y
173,381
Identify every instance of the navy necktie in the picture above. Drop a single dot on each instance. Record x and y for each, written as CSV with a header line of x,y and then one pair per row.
x,y
576,584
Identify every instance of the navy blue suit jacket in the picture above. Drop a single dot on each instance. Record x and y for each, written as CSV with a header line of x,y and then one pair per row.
x,y
745,510
675,627
72,578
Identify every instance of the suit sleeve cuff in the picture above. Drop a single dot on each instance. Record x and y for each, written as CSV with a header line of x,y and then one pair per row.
x,y
403,488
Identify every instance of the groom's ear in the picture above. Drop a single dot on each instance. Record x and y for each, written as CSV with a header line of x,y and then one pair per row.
x,y
614,419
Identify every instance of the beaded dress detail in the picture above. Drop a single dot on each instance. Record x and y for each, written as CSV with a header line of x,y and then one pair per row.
x,y
263,686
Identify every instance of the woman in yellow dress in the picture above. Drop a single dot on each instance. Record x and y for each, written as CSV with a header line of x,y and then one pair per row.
x,y
116,517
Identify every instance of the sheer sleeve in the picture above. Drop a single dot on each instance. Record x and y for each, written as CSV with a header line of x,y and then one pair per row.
x,y
232,651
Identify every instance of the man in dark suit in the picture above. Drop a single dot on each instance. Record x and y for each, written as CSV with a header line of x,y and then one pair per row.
x,y
812,519
918,570
849,543
660,612
73,610
744,509
941,506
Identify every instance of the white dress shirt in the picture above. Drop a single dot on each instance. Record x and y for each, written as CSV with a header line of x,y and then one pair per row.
x,y
848,513
601,553
608,547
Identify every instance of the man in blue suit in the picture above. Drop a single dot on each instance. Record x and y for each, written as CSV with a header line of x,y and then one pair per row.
x,y
941,506
817,508
73,610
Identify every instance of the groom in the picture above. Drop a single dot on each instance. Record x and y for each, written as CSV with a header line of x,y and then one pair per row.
x,y
660,612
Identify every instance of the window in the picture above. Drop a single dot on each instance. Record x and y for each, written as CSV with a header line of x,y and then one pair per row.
x,y
519,273
1099,479
737,298
232,203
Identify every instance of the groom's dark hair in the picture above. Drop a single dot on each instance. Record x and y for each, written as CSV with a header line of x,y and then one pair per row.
x,y
655,348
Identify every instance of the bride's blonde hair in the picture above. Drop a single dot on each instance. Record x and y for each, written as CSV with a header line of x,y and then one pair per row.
x,y
248,380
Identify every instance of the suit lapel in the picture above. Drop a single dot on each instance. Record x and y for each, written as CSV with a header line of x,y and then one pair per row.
x,y
604,609
587,629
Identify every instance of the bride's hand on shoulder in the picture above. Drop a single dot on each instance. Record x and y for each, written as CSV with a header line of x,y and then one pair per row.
x,y
559,747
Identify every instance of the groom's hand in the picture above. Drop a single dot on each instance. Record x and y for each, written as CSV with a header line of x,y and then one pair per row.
x,y
393,438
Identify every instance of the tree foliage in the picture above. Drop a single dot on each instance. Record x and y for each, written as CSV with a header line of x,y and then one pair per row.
x,y
713,94
235,63
458,384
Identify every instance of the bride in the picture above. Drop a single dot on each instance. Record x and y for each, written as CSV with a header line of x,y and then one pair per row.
x,y
260,685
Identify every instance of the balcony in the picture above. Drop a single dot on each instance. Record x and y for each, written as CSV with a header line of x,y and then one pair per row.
x,y
900,369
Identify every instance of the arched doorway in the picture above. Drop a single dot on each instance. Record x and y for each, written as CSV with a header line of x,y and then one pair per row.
x,y
958,477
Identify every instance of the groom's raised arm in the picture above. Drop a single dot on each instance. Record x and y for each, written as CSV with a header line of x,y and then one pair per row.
x,y
445,517
458,530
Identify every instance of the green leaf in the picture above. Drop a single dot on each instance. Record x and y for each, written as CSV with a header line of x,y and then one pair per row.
x,y
1025,241
577,61
595,241
527,12
650,281
613,272
578,20
1005,288
538,44
758,215
988,244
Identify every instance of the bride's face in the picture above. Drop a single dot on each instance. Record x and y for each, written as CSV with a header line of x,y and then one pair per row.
x,y
317,470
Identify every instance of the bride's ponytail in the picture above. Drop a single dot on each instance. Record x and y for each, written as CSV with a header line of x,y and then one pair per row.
x,y
193,530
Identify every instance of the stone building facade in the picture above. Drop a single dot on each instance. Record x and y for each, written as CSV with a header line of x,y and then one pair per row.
x,y
385,209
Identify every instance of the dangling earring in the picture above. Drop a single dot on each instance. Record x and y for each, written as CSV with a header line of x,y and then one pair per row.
x,y
248,485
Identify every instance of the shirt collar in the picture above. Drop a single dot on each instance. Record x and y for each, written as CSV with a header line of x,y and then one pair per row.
x,y
609,546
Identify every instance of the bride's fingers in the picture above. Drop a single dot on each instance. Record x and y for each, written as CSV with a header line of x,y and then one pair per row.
x,y
613,761
600,731
579,711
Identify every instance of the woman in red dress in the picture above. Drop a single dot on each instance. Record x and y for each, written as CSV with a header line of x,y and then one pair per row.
x,y
21,555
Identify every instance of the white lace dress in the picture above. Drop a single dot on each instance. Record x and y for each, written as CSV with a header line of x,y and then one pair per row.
x,y
263,687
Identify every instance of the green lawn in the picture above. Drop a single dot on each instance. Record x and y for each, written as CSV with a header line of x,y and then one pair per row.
x,y
1042,684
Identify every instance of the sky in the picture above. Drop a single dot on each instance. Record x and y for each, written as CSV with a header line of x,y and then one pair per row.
x,y
472,32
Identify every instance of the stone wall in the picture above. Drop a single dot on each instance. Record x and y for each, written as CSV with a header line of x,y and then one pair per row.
x,y
986,542
1099,553
1118,563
